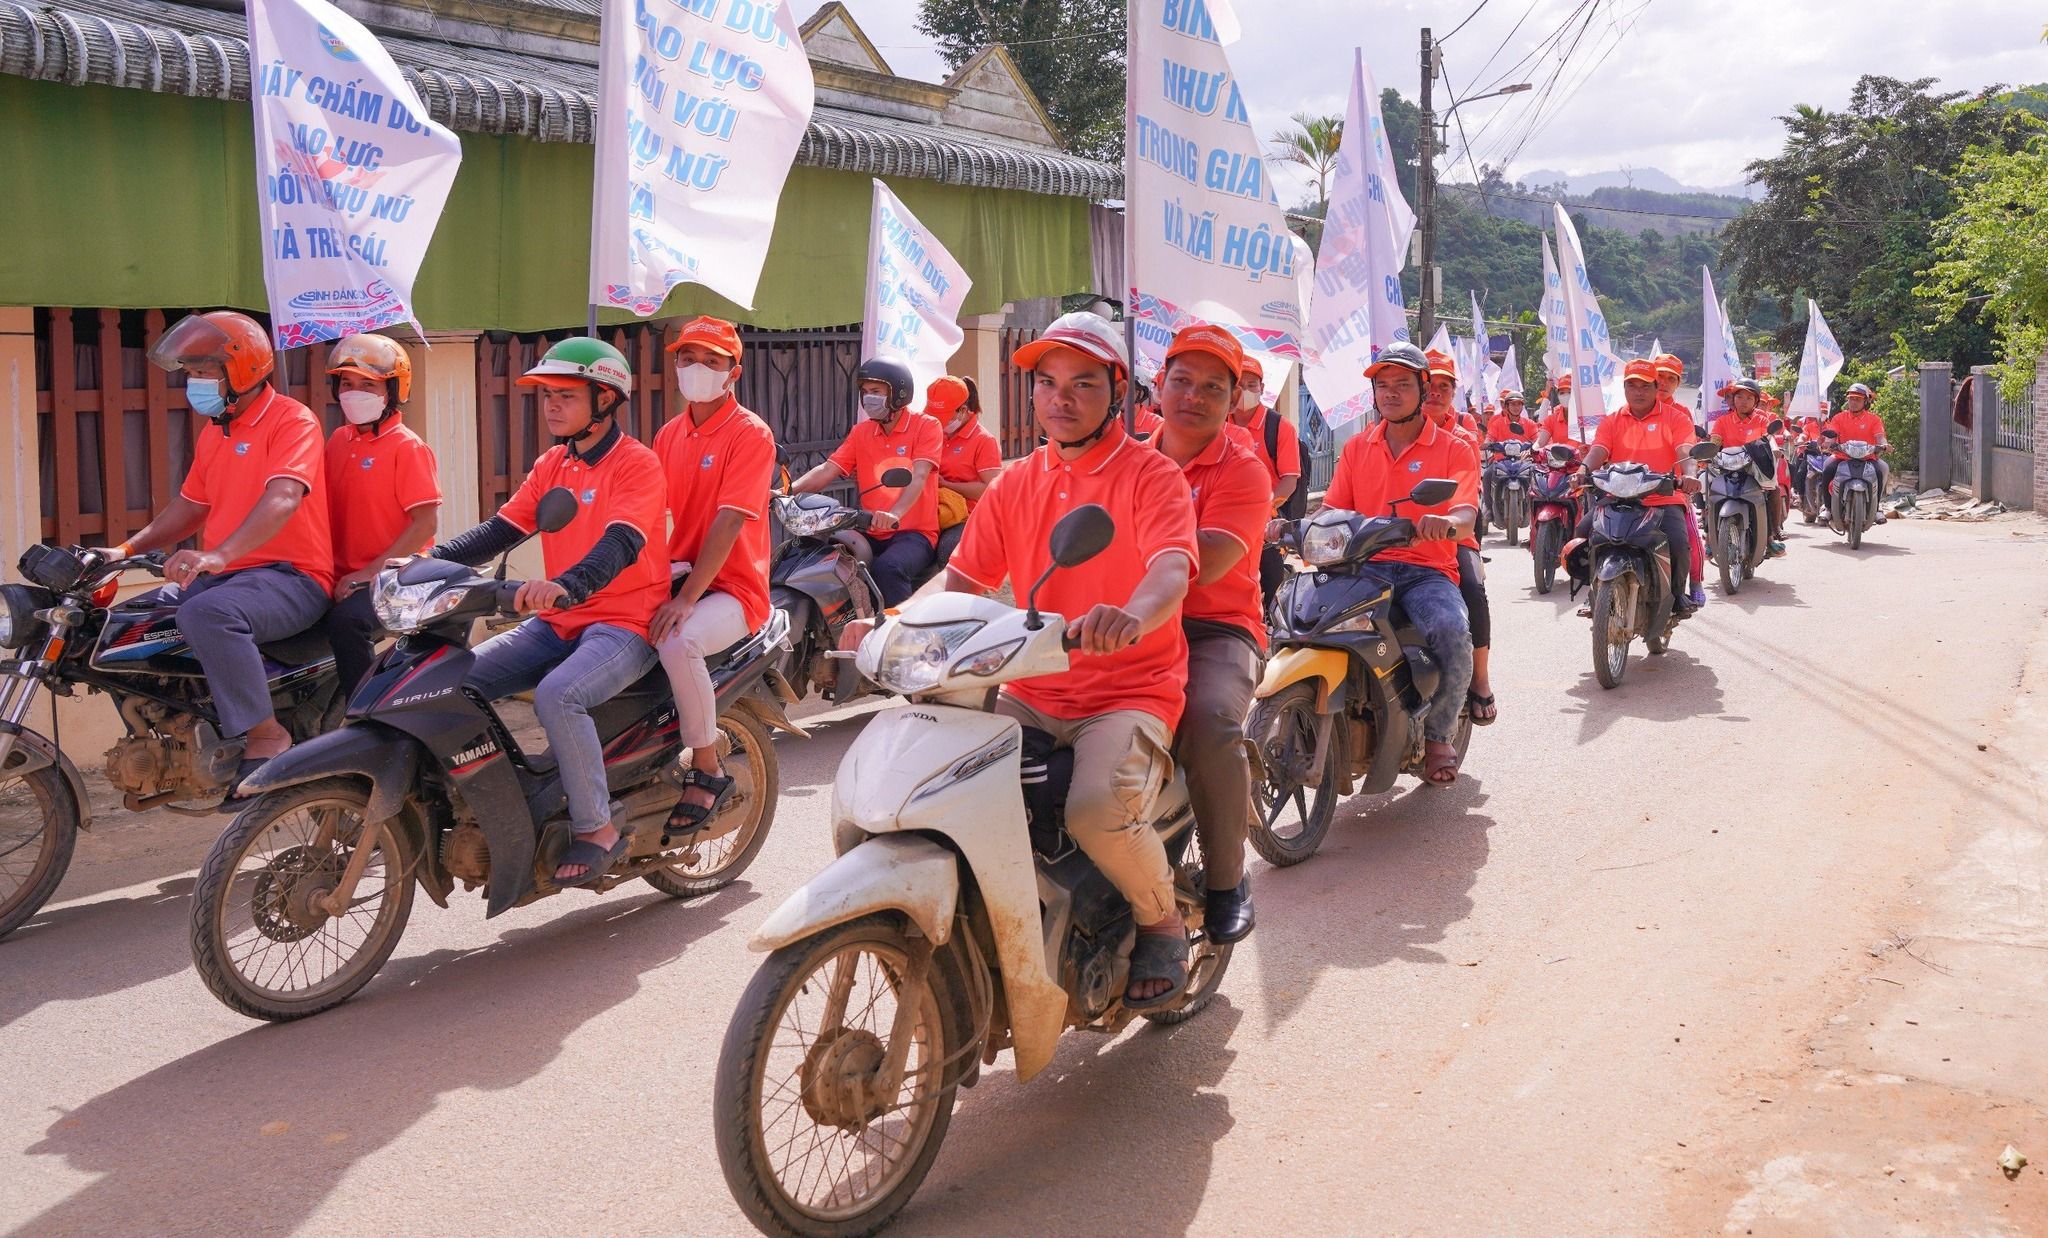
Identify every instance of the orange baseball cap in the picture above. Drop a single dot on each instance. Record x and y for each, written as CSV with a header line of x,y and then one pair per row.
x,y
1441,363
1564,382
1666,363
1641,370
945,396
716,334
1091,335
1215,341
1252,369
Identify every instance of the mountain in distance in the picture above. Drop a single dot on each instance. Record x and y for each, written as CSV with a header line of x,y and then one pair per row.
x,y
1638,178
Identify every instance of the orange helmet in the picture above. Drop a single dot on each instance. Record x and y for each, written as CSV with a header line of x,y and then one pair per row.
x,y
376,357
234,342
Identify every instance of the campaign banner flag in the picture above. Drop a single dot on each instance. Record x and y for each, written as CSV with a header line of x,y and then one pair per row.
x,y
1596,372
1205,236
1555,315
1819,362
1357,309
701,107
1720,363
351,173
1510,372
1441,341
915,291
1480,380
1656,346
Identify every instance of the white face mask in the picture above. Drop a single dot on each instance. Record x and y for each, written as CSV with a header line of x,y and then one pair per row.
x,y
874,404
700,384
362,407
1248,400
960,419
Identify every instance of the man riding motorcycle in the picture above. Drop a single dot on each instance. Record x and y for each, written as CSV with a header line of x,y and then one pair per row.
x,y
1223,614
1746,427
969,460
1556,426
383,491
606,573
1640,433
1471,569
1857,424
1382,465
718,459
1273,439
257,497
1117,706
1509,422
903,524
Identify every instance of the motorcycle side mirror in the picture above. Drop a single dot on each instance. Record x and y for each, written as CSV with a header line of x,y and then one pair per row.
x,y
896,479
1703,452
1777,426
1079,536
555,510
1433,491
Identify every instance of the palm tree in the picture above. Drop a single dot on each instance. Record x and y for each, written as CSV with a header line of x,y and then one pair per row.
x,y
1312,143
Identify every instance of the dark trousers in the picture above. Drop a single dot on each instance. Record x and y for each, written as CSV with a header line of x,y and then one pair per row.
x,y
1472,587
1272,572
1671,520
900,559
949,541
225,617
353,630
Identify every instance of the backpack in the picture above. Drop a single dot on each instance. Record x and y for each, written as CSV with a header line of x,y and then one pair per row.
x,y
1296,505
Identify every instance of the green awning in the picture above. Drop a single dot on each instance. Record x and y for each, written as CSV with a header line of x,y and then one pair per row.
x,y
130,200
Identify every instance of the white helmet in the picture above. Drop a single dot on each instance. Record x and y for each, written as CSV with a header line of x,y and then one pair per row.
x,y
1091,335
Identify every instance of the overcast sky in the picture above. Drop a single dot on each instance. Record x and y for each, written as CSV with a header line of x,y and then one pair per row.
x,y
1691,89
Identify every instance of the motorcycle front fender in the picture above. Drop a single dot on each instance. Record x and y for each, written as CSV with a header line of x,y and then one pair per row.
x,y
1733,508
904,873
1614,565
1297,664
384,756
32,751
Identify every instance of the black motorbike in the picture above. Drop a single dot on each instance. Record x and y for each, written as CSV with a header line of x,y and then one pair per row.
x,y
819,578
1813,461
61,630
304,896
1627,565
1737,524
1853,496
1509,471
1334,713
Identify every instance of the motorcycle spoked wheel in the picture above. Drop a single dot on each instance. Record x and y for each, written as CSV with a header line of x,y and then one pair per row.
x,y
808,1142
1731,556
259,941
1207,961
38,830
1610,637
1283,726
1545,544
757,782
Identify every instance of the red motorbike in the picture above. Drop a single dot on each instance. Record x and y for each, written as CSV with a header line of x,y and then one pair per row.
x,y
1554,510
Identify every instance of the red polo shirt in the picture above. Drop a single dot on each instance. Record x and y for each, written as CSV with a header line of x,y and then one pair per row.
x,y
727,464
1145,420
374,481
1369,477
1501,427
1233,497
872,449
1735,430
619,482
1856,427
1286,458
1656,442
276,437
967,453
1558,424
1006,540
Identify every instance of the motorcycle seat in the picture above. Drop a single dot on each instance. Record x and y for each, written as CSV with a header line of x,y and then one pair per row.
x,y
301,649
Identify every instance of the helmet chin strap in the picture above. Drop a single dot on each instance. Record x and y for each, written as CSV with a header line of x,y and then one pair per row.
x,y
1089,439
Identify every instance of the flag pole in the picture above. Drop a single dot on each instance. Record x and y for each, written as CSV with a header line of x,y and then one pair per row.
x,y
1130,213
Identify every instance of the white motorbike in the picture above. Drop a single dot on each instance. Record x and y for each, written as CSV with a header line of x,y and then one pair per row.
x,y
958,920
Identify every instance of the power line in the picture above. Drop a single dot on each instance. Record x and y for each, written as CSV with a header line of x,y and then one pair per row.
x,y
1468,21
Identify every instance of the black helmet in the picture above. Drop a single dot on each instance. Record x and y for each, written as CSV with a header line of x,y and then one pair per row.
x,y
1750,385
902,387
1402,356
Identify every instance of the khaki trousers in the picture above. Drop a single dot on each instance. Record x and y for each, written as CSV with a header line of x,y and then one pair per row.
x,y
1120,766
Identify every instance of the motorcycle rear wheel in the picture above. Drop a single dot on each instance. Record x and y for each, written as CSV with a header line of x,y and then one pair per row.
x,y
254,900
757,785
1284,728
38,830
789,1102
1610,657
1544,547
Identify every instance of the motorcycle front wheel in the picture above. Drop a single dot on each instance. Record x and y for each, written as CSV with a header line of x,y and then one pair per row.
x,y
717,862
1544,547
1293,801
1859,515
1515,517
38,829
1730,556
261,940
1610,637
812,1136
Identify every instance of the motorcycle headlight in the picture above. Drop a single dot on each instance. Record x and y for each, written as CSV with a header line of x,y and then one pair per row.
x,y
1732,458
408,608
1858,451
1324,544
1628,485
1514,451
813,521
914,658
17,615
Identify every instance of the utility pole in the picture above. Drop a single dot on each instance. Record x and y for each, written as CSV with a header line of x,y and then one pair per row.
x,y
1425,194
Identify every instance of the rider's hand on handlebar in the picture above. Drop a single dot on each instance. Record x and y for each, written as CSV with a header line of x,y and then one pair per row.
x,y
538,595
189,565
358,579
1275,528
1436,528
1105,629
1689,485
881,522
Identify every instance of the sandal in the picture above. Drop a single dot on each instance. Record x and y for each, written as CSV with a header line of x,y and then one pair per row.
x,y
684,818
596,862
1439,764
1474,703
1158,956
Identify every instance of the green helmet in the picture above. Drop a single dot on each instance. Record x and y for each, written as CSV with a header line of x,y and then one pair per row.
x,y
585,358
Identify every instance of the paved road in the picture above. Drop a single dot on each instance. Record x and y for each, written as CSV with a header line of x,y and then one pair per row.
x,y
1573,994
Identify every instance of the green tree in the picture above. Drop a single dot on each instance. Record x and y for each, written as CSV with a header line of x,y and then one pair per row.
x,y
1071,52
1993,251
1310,143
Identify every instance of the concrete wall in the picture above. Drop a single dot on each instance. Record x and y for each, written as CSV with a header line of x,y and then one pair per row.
x,y
2041,433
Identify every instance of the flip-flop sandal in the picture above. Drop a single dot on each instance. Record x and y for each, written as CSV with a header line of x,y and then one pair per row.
x,y
596,861
1437,759
687,818
1158,956
1475,702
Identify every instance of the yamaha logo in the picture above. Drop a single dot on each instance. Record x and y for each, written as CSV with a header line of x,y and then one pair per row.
x,y
476,753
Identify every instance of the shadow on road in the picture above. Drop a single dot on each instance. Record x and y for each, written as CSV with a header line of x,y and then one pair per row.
x,y
106,947
262,1127
1760,593
1878,549
1017,1162
1674,686
1404,863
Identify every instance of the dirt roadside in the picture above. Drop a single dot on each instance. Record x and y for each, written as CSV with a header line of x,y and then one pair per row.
x,y
1927,1062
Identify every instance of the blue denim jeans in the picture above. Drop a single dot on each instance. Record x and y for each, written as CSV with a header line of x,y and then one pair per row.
x,y
226,616
568,679
1434,605
899,559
